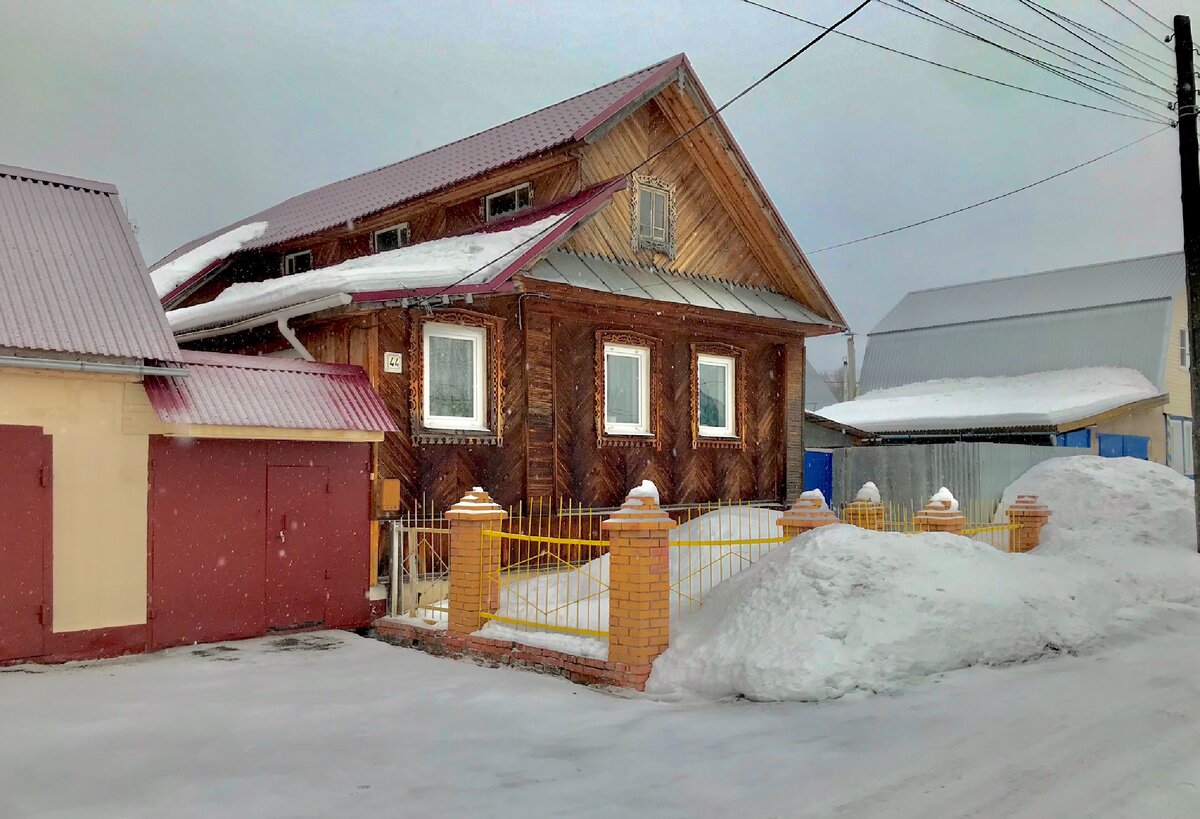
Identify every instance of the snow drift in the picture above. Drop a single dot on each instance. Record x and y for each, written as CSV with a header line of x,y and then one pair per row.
x,y
842,609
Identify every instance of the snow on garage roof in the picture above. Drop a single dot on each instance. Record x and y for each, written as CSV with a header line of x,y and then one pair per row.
x,y
1038,400
479,261
72,279
257,391
358,196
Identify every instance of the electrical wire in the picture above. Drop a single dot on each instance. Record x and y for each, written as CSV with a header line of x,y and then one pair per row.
x,y
936,64
1148,32
1059,71
1153,17
1091,161
1130,51
1037,8
715,113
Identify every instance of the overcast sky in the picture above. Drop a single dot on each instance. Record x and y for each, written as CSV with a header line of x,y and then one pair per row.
x,y
202,113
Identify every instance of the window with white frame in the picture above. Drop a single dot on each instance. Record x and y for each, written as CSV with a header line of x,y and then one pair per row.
x,y
507,201
392,238
455,375
1185,351
626,390
714,395
653,216
297,262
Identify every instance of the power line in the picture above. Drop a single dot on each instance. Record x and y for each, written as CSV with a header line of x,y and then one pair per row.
x,y
1037,8
992,199
1058,71
1131,51
1148,32
1157,121
1153,17
716,112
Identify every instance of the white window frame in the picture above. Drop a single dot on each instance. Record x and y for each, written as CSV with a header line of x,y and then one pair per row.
x,y
1185,349
405,236
287,260
666,244
477,422
487,201
729,430
642,355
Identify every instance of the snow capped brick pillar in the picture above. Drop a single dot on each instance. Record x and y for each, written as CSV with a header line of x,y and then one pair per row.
x,y
639,585
866,510
474,560
808,512
1030,516
941,515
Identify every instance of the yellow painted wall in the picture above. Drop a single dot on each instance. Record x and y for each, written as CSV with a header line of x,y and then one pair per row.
x,y
1175,376
100,481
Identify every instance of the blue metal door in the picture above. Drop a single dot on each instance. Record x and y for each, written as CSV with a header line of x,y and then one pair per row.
x,y
818,472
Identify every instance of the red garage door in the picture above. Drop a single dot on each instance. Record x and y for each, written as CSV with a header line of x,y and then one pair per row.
x,y
25,541
247,536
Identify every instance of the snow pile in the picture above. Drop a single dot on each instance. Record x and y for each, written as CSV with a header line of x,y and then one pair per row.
x,y
647,489
579,598
869,493
944,495
474,258
814,494
1037,399
175,272
842,609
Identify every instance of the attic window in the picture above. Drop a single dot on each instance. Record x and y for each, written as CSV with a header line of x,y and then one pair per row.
x,y
508,201
392,238
653,215
297,262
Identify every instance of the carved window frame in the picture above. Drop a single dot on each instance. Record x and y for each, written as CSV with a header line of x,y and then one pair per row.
x,y
630,339
738,439
638,242
493,328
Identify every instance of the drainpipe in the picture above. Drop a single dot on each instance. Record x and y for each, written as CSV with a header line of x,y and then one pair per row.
x,y
290,335
89,366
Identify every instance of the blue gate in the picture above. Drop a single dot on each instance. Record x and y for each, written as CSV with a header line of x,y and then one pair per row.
x,y
818,472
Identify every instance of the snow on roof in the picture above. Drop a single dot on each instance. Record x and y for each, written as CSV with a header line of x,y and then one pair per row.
x,y
174,273
1043,399
475,258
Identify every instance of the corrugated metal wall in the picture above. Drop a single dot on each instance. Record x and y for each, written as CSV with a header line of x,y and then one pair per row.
x,y
911,473
1123,335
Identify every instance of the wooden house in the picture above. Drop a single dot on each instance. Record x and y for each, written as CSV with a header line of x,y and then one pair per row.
x,y
561,306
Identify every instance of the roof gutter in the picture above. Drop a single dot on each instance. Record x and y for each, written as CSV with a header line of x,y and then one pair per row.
x,y
279,317
89,366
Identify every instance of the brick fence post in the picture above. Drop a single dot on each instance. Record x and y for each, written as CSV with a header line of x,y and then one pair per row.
x,y
866,510
474,560
808,512
639,586
939,515
1030,516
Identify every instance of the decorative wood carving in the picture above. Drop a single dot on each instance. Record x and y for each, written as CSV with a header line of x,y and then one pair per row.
x,y
738,439
654,439
493,381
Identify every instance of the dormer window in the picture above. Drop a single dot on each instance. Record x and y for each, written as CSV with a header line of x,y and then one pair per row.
x,y
653,215
502,203
392,238
297,262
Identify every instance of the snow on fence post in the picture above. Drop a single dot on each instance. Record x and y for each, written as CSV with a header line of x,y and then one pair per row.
x,y
474,560
1029,516
639,584
941,514
866,510
808,512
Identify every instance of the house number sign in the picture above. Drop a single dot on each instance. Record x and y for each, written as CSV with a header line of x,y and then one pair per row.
x,y
393,362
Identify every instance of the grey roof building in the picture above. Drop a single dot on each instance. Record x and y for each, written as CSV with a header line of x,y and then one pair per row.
x,y
1113,314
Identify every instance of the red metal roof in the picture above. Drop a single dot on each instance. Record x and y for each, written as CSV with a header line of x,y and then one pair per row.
x,y
72,279
340,202
258,391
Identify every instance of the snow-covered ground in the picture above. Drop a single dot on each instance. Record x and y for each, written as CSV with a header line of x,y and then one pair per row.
x,y
842,609
365,729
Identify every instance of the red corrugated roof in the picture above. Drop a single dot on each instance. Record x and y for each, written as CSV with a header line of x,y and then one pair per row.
x,y
335,204
257,391
72,279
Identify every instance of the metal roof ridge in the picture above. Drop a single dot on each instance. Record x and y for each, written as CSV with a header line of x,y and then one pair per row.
x,y
1042,272
79,182
198,358
683,274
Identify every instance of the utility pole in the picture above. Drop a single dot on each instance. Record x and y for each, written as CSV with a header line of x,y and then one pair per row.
x,y
1189,175
850,371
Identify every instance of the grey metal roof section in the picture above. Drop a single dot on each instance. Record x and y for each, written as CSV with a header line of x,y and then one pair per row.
x,y
817,393
622,278
1122,335
72,279
1053,291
